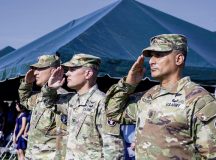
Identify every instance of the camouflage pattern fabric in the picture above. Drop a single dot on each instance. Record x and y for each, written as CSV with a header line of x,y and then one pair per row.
x,y
84,60
47,61
42,133
166,43
87,136
179,123
61,138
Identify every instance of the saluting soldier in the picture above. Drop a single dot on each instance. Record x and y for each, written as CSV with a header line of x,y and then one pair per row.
x,y
175,119
42,135
90,134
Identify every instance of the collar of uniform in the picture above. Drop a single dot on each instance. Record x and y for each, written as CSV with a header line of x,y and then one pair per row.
x,y
177,87
174,89
61,90
84,97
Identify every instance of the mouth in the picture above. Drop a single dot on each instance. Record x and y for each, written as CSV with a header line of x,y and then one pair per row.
x,y
153,69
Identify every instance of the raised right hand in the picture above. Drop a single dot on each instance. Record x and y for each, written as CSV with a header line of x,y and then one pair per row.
x,y
56,80
136,72
30,77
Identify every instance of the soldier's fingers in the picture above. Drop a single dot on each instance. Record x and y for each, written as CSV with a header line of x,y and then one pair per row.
x,y
138,64
56,72
61,68
62,81
134,66
30,71
140,60
29,75
61,71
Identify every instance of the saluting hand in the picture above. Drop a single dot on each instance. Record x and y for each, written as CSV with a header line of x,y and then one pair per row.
x,y
56,80
136,72
30,77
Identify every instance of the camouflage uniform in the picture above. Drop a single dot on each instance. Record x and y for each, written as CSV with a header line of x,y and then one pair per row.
x,y
90,134
174,123
42,133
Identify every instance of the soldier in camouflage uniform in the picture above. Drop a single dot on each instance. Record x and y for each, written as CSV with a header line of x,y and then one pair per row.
x,y
91,134
174,120
42,135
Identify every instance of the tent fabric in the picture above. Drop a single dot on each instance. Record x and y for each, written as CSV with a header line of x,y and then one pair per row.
x,y
117,33
6,50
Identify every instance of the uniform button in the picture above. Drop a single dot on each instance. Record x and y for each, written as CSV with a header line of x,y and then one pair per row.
x,y
203,118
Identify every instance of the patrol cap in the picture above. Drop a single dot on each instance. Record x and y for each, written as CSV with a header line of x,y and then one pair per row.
x,y
166,43
47,61
83,60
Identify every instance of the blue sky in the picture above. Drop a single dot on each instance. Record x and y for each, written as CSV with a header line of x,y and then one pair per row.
x,y
23,21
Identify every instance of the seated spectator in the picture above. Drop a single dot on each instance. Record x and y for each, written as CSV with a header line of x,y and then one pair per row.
x,y
20,126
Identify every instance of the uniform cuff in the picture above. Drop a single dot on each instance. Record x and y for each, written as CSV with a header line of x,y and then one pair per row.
x,y
128,88
24,84
46,90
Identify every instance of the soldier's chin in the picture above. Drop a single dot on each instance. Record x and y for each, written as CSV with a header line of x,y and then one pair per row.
x,y
69,85
155,76
38,83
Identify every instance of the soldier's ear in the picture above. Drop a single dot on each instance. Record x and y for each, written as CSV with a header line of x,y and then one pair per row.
x,y
88,73
179,59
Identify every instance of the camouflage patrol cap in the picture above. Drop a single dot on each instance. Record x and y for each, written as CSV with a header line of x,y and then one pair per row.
x,y
46,61
83,60
166,43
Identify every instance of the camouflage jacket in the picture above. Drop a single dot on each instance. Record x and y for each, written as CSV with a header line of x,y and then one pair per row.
x,y
85,125
42,133
179,123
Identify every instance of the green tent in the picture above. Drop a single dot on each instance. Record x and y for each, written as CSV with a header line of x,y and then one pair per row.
x,y
117,33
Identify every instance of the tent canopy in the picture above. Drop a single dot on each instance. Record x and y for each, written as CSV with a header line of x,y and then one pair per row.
x,y
117,33
6,50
